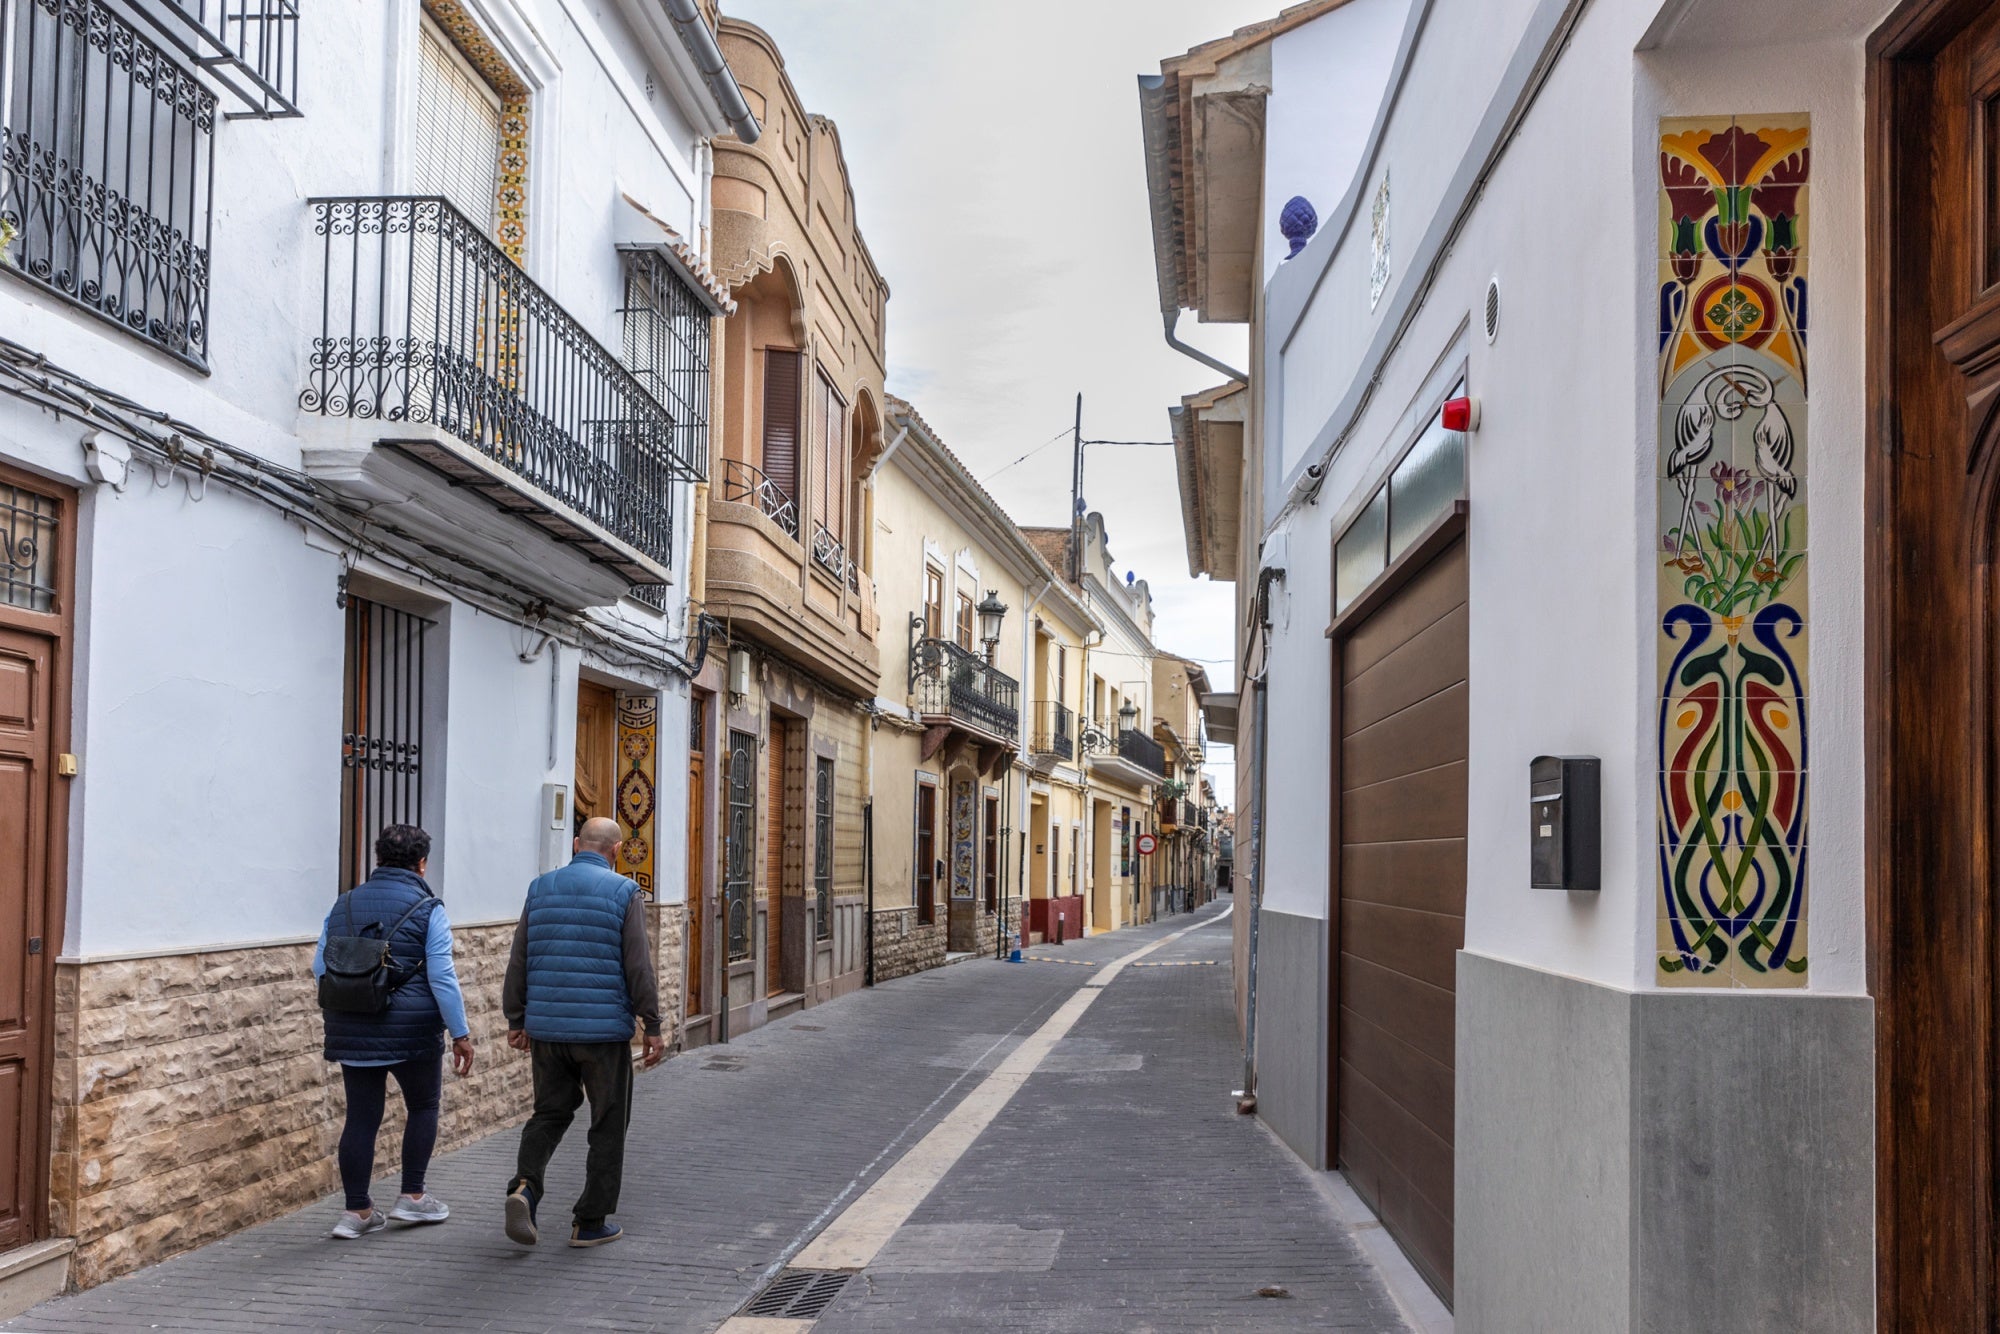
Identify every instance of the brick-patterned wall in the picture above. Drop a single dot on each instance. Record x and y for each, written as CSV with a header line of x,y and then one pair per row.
x,y
191,1099
902,947
989,926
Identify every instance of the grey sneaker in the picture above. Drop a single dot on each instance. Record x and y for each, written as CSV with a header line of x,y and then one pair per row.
x,y
424,1209
352,1225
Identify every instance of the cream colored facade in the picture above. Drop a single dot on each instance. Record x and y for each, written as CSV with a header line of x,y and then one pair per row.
x,y
779,741
1122,764
966,809
1184,809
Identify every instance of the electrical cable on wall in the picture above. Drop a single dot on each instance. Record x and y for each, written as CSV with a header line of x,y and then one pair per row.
x,y
168,445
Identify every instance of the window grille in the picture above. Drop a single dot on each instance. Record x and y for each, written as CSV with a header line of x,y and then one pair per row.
x,y
382,730
740,843
666,349
28,549
823,848
106,170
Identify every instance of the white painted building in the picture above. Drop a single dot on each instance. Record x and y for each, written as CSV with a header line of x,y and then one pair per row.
x,y
1523,472
353,392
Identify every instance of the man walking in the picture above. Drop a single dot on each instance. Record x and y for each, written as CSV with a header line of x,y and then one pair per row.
x,y
580,974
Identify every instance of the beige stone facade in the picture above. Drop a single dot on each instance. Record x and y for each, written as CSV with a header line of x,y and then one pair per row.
x,y
191,1098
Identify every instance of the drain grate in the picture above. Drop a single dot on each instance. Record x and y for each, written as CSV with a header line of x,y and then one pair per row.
x,y
798,1294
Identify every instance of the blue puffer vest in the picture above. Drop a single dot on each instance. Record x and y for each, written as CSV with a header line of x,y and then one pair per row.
x,y
411,1028
576,954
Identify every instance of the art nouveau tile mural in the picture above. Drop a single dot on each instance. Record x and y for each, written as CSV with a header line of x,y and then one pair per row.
x,y
1733,629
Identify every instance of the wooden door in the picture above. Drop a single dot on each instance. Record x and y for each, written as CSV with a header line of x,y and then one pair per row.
x,y
926,886
26,768
697,883
1934,632
596,751
989,874
774,857
1400,900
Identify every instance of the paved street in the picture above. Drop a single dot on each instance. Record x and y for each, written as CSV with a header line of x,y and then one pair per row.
x,y
1116,1191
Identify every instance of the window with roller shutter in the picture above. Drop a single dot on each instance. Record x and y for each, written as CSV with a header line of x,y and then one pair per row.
x,y
458,131
781,420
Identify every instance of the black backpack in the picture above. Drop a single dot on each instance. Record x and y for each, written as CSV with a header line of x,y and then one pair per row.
x,y
360,976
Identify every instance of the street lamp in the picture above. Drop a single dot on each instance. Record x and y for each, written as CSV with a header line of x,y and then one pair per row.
x,y
992,611
1128,714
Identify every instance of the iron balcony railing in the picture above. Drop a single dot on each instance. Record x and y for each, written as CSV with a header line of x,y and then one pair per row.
x,y
828,553
426,321
950,681
1173,812
744,485
249,47
107,155
1141,750
1055,731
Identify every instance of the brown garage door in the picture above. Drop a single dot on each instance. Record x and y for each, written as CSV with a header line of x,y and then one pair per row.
x,y
1402,904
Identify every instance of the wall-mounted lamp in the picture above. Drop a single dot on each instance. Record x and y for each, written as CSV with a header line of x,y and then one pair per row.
x,y
992,611
1128,714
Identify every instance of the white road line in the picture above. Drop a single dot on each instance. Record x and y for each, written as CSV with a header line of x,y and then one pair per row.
x,y
854,1238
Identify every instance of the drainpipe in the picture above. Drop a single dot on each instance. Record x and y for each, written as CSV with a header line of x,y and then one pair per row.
x,y
1246,1098
1172,319
707,56
868,860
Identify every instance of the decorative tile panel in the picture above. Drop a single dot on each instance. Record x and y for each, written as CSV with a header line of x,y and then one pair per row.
x,y
636,797
1732,708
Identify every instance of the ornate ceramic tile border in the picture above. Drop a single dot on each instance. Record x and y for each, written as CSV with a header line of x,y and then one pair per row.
x,y
511,191
638,745
1732,345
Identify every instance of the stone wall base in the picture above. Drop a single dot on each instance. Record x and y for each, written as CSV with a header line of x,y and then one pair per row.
x,y
190,1098
902,946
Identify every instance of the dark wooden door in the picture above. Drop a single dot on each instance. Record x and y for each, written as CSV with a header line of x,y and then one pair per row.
x,y
27,756
926,887
1934,497
1401,904
697,830
775,819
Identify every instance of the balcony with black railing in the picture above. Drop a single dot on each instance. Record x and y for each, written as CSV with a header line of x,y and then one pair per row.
x,y
249,47
1140,749
954,685
1054,736
107,158
439,346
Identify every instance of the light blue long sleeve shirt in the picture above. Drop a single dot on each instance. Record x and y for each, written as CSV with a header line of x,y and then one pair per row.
x,y
439,971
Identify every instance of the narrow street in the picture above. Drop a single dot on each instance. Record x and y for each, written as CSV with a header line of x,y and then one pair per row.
x,y
1116,1191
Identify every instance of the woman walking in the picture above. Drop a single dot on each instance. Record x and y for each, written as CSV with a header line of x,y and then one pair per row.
x,y
386,1012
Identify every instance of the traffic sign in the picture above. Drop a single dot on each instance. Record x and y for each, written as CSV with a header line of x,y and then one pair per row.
x,y
1148,845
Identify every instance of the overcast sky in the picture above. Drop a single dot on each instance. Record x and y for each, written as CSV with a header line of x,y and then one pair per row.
x,y
1000,184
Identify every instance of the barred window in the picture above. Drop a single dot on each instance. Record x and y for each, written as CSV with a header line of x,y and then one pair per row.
x,y
106,160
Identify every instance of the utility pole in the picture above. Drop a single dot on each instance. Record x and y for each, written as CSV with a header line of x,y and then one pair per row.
x,y
1076,495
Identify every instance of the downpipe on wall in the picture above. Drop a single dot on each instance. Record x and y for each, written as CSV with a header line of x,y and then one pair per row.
x,y
1246,1097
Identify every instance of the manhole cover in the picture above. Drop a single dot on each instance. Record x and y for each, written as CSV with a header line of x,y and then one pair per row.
x,y
798,1294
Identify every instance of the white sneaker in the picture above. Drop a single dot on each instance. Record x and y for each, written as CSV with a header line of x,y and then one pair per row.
x,y
352,1225
424,1209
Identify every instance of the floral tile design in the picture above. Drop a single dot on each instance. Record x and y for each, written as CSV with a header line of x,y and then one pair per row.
x,y
1732,731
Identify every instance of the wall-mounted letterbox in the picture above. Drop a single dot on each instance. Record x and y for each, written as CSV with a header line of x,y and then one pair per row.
x,y
1563,822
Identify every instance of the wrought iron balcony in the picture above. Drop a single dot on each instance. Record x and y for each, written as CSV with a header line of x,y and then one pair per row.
x,y
744,485
950,682
1055,731
828,553
106,168
1142,750
250,47
427,323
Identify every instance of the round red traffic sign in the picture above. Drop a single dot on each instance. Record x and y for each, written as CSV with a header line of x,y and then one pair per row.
x,y
1148,845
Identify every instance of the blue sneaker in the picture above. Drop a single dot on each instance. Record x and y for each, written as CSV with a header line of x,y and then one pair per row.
x,y
600,1233
521,1215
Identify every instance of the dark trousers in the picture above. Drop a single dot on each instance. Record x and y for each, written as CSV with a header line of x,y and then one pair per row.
x,y
565,1074
422,1083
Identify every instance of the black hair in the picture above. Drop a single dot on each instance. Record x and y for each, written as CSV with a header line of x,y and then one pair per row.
x,y
402,845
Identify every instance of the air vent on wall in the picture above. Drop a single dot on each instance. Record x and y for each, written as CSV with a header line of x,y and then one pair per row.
x,y
1492,308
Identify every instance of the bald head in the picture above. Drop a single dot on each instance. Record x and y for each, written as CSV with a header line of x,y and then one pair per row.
x,y
598,835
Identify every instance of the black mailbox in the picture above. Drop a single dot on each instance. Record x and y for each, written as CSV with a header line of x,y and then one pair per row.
x,y
1563,822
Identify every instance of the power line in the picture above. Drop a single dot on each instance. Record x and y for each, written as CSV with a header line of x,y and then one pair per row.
x,y
1025,457
1135,444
